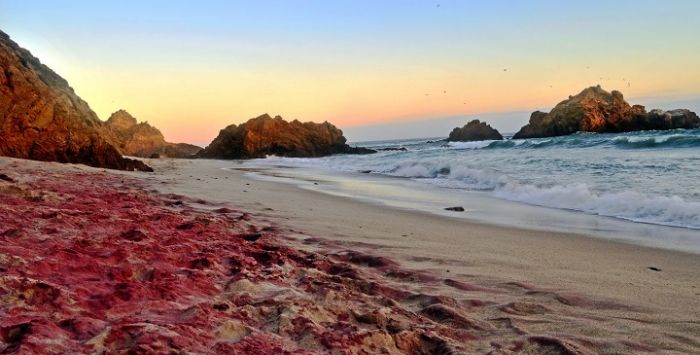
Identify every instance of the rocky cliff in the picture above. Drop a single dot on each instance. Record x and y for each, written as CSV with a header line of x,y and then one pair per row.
x,y
265,135
42,118
474,131
596,110
141,139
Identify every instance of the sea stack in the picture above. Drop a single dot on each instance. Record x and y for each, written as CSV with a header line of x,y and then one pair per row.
x,y
42,118
596,110
474,131
265,135
143,140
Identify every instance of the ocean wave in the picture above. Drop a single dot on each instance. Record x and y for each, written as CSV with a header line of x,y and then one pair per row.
x,y
414,170
663,141
608,179
409,144
508,143
629,205
470,145
631,140
478,179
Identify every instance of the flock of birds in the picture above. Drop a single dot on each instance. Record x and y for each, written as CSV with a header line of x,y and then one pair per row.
x,y
629,84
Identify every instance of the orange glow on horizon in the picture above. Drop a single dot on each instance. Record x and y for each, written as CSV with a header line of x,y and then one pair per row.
x,y
193,104
184,113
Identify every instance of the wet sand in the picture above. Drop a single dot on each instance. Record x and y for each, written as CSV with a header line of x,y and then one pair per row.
x,y
415,282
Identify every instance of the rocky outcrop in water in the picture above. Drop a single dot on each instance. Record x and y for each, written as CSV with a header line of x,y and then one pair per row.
x,y
143,140
265,135
42,118
596,110
474,131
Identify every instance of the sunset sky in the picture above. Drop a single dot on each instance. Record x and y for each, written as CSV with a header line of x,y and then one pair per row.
x,y
192,67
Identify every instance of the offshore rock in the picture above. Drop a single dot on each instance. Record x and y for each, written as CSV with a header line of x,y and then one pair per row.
x,y
596,110
474,131
264,135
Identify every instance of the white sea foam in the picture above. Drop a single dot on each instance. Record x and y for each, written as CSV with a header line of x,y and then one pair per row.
x,y
414,171
630,205
470,145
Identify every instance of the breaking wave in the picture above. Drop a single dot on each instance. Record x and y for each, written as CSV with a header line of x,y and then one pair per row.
x,y
629,205
670,211
634,140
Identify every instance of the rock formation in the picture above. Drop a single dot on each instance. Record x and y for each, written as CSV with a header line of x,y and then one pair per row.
x,y
142,139
42,118
474,131
596,110
265,135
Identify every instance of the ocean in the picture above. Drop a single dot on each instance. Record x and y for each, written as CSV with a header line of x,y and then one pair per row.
x,y
648,177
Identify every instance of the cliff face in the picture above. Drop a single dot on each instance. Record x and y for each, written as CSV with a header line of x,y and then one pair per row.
x,y
265,135
42,118
142,139
596,110
474,131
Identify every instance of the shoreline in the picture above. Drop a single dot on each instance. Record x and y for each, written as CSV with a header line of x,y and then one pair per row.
x,y
480,208
589,262
542,290
270,199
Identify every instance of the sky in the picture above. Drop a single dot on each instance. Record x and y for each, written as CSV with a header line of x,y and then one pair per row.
x,y
376,69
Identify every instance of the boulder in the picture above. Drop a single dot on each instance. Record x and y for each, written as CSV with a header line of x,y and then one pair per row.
x,y
596,110
474,131
42,118
141,139
264,135
455,209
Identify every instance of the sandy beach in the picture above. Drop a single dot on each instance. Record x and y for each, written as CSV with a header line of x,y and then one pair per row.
x,y
349,177
597,291
390,280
